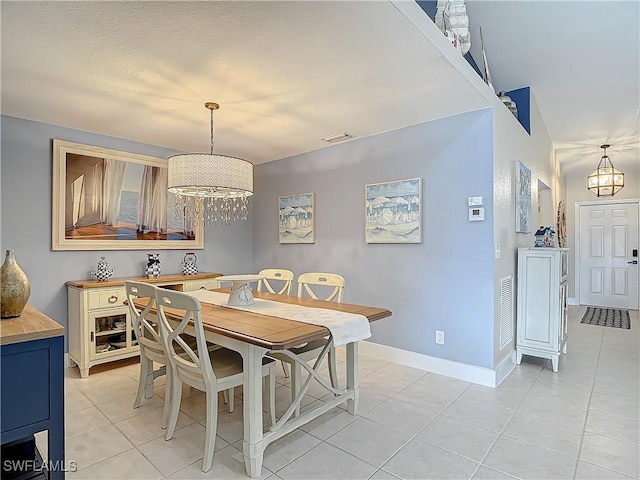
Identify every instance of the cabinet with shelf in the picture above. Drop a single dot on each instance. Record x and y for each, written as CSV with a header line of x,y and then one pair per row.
x,y
542,303
100,328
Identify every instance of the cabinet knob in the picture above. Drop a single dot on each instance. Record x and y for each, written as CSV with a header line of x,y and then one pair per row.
x,y
113,299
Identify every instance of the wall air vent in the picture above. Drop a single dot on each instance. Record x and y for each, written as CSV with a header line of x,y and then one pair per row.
x,y
339,137
506,310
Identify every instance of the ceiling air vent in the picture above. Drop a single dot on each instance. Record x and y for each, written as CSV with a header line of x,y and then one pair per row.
x,y
339,137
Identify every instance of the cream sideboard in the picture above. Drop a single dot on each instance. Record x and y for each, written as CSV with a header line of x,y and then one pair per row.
x,y
99,325
542,303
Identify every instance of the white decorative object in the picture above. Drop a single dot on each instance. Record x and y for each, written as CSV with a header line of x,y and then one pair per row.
x,y
451,18
486,76
509,103
542,303
240,292
210,188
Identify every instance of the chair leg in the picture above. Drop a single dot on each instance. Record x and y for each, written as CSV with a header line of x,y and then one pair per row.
x,y
285,369
166,413
225,396
232,400
175,399
212,426
144,373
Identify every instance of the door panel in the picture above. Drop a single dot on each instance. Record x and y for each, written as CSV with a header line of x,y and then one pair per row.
x,y
608,235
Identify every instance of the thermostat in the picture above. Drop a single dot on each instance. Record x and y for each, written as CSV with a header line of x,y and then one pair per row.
x,y
475,201
476,214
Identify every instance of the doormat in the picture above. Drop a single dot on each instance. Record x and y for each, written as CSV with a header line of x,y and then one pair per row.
x,y
607,317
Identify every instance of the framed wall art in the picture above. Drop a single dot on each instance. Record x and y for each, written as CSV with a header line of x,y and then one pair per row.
x,y
296,218
523,198
111,200
393,212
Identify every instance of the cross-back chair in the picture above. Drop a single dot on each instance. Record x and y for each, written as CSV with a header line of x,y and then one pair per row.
x,y
276,280
210,371
319,286
146,330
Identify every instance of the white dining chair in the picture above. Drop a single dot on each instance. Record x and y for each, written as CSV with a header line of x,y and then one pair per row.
x,y
209,371
276,280
319,286
151,347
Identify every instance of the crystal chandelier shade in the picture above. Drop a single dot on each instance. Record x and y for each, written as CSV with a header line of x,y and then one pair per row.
x,y
210,188
606,180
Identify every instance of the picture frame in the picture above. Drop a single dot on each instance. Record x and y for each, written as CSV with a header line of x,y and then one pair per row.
x,y
296,218
393,211
523,198
105,199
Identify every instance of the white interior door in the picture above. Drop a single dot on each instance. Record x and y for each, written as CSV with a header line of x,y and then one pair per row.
x,y
608,239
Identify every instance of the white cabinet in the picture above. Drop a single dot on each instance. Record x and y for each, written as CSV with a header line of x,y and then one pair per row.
x,y
542,303
99,325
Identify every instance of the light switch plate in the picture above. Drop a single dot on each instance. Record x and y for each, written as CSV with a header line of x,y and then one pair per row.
x,y
476,214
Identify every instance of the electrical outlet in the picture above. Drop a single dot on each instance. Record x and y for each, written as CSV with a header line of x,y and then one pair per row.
x,y
440,337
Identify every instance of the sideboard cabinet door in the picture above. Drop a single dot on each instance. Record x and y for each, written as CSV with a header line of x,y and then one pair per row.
x,y
542,303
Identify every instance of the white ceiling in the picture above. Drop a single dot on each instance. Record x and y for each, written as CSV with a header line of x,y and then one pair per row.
x,y
287,74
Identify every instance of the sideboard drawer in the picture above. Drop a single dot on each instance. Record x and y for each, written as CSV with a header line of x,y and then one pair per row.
x,y
106,298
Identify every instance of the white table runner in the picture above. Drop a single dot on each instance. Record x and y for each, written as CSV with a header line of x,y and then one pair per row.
x,y
344,327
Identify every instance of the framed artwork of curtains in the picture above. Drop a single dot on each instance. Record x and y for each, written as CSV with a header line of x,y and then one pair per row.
x,y
111,200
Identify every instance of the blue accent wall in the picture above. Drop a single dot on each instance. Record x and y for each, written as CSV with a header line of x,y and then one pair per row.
x,y
522,97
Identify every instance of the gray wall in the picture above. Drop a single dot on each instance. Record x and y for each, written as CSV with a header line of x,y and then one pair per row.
x,y
444,283
26,177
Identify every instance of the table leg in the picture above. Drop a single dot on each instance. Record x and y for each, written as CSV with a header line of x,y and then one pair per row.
x,y
352,377
253,444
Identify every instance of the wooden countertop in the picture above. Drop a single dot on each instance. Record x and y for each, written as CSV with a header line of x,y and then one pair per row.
x,y
31,325
119,282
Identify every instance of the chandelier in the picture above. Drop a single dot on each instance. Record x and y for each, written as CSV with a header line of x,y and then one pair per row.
x,y
606,180
210,188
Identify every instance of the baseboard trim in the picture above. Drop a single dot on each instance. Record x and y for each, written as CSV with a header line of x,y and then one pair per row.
x,y
572,301
462,371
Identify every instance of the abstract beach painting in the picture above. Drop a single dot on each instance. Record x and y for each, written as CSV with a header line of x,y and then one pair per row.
x,y
393,211
296,218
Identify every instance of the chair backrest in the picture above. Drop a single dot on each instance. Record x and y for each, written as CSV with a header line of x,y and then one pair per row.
x,y
144,326
272,276
193,367
307,281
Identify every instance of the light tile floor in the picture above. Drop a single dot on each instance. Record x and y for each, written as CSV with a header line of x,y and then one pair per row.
x,y
582,422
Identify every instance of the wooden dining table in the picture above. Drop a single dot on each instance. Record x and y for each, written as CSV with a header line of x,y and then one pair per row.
x,y
253,335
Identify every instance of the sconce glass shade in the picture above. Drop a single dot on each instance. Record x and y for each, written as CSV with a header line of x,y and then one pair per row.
x,y
606,180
